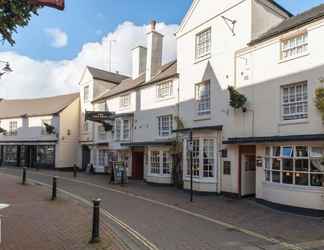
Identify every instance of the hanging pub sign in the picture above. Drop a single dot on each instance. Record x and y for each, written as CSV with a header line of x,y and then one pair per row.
x,y
96,116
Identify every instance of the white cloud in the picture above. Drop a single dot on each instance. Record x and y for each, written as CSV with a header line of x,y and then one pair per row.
x,y
59,37
32,78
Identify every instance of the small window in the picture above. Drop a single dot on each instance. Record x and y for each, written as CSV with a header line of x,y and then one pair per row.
x,y
125,101
86,93
165,89
126,129
203,98
203,43
295,101
165,125
295,46
118,129
227,168
13,126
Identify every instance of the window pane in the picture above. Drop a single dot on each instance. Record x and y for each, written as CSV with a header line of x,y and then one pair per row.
x,y
276,151
287,152
276,164
317,166
301,151
155,162
301,165
287,178
288,164
208,160
276,176
317,180
301,179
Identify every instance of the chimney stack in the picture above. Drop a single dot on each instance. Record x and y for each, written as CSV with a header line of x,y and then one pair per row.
x,y
154,51
139,55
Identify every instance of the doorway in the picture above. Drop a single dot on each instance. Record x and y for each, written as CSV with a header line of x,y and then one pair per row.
x,y
138,165
247,170
86,157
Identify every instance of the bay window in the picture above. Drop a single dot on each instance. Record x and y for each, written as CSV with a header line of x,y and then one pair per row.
x,y
161,162
295,165
203,158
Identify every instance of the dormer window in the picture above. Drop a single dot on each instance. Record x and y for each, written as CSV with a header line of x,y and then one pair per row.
x,y
124,101
203,43
294,46
165,89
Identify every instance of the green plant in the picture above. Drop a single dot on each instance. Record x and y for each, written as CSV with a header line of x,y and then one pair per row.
x,y
237,100
14,14
319,101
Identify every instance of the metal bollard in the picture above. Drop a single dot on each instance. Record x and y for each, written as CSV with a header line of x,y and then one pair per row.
x,y
75,171
54,188
95,238
24,176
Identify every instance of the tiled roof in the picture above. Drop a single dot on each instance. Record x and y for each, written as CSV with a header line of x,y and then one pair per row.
x,y
292,23
100,74
166,71
35,107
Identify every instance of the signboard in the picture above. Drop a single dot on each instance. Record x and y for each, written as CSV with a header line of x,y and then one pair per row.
x,y
96,116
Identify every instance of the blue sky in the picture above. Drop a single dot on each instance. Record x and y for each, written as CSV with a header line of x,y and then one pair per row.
x,y
52,52
89,20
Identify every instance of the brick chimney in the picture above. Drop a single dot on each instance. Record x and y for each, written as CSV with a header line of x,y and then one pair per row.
x,y
154,51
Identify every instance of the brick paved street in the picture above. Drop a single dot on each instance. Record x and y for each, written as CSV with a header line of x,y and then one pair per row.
x,y
166,218
32,222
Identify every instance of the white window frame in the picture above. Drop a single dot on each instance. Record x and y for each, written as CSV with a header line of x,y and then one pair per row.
x,y
13,128
160,162
103,157
203,44
86,94
293,173
203,102
122,133
164,89
165,125
124,101
294,46
294,103
204,166
102,132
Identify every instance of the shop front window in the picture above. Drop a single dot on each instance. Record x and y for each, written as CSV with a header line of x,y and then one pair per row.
x,y
10,154
295,165
45,155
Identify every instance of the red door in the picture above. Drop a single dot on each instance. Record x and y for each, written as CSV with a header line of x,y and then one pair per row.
x,y
138,165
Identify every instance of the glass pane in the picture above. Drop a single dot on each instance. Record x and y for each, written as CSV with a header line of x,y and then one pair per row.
x,y
276,164
287,152
287,178
276,176
317,166
301,165
317,180
276,151
301,151
301,179
288,164
317,152
267,175
267,151
267,163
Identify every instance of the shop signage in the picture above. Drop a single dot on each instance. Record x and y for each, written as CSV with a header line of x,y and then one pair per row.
x,y
100,117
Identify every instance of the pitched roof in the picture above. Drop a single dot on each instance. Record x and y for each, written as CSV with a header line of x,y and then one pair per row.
x,y
100,74
35,107
292,23
166,71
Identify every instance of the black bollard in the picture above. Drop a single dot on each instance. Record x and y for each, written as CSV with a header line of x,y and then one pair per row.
x,y
54,188
24,176
95,238
75,171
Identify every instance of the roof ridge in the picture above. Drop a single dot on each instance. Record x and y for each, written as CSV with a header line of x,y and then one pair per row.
x,y
41,98
106,71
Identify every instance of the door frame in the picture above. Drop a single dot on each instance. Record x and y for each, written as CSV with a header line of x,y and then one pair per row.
x,y
244,149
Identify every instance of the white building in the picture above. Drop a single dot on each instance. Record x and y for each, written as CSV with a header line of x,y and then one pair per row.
x,y
144,105
40,132
274,148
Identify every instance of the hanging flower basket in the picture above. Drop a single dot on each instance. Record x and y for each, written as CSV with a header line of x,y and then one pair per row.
x,y
237,100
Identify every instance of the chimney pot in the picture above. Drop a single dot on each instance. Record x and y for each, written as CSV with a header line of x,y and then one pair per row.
x,y
153,25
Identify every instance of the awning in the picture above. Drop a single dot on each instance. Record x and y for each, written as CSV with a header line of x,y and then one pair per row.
x,y
183,130
148,143
268,139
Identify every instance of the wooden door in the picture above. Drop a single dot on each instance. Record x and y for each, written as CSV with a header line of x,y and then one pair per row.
x,y
138,165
